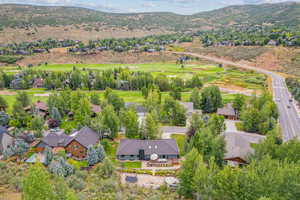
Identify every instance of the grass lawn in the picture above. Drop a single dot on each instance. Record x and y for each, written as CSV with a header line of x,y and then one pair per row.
x,y
130,165
128,96
180,139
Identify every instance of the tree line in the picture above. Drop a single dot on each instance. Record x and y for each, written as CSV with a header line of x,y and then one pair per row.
x,y
118,78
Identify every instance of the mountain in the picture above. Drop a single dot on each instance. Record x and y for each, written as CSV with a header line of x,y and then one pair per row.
x,y
32,19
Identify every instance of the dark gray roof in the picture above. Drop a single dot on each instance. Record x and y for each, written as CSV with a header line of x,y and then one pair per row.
x,y
139,108
238,144
85,137
227,110
160,147
56,138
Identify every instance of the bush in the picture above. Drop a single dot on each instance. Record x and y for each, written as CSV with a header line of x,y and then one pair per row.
x,y
10,59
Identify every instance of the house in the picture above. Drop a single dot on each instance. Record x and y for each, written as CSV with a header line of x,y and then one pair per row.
x,y
189,106
272,43
79,141
6,140
76,144
140,110
54,138
40,108
144,149
228,112
239,146
38,83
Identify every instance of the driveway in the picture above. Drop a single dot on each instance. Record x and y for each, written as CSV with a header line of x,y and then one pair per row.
x,y
167,131
230,126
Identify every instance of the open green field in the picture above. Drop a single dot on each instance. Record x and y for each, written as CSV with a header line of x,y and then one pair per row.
x,y
208,73
128,96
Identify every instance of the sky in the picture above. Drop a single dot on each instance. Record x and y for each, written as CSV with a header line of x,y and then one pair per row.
x,y
128,6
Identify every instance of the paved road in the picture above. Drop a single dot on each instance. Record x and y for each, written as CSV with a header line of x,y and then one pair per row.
x,y
289,118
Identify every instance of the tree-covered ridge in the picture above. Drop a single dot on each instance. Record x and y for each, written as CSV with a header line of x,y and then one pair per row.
x,y
282,14
150,43
251,36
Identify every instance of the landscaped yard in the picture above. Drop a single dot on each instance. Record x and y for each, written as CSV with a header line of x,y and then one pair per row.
x,y
180,139
133,164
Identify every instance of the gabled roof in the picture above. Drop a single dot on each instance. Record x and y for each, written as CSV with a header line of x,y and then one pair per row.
x,y
40,105
139,108
84,136
238,144
227,110
160,147
56,138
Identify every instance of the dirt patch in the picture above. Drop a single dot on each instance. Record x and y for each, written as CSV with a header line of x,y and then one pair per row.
x,y
11,35
8,93
6,194
144,180
106,57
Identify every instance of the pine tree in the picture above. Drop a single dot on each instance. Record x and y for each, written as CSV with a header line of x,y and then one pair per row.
x,y
151,128
92,156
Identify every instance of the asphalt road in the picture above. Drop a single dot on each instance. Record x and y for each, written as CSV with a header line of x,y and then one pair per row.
x,y
289,119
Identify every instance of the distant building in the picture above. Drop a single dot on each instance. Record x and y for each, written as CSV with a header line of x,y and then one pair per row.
x,y
40,108
38,83
144,149
228,112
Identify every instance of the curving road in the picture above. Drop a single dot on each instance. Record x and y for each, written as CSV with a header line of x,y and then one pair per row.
x,y
289,118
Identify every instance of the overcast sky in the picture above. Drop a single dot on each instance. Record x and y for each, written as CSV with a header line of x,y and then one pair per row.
x,y
177,6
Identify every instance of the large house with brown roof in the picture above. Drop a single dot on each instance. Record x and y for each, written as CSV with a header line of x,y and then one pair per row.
x,y
76,144
239,146
144,149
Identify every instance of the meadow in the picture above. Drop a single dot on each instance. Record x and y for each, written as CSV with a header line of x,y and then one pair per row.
x,y
228,77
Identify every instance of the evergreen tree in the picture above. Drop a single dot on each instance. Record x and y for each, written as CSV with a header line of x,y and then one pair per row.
x,y
92,156
150,128
60,167
55,114
48,155
23,99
